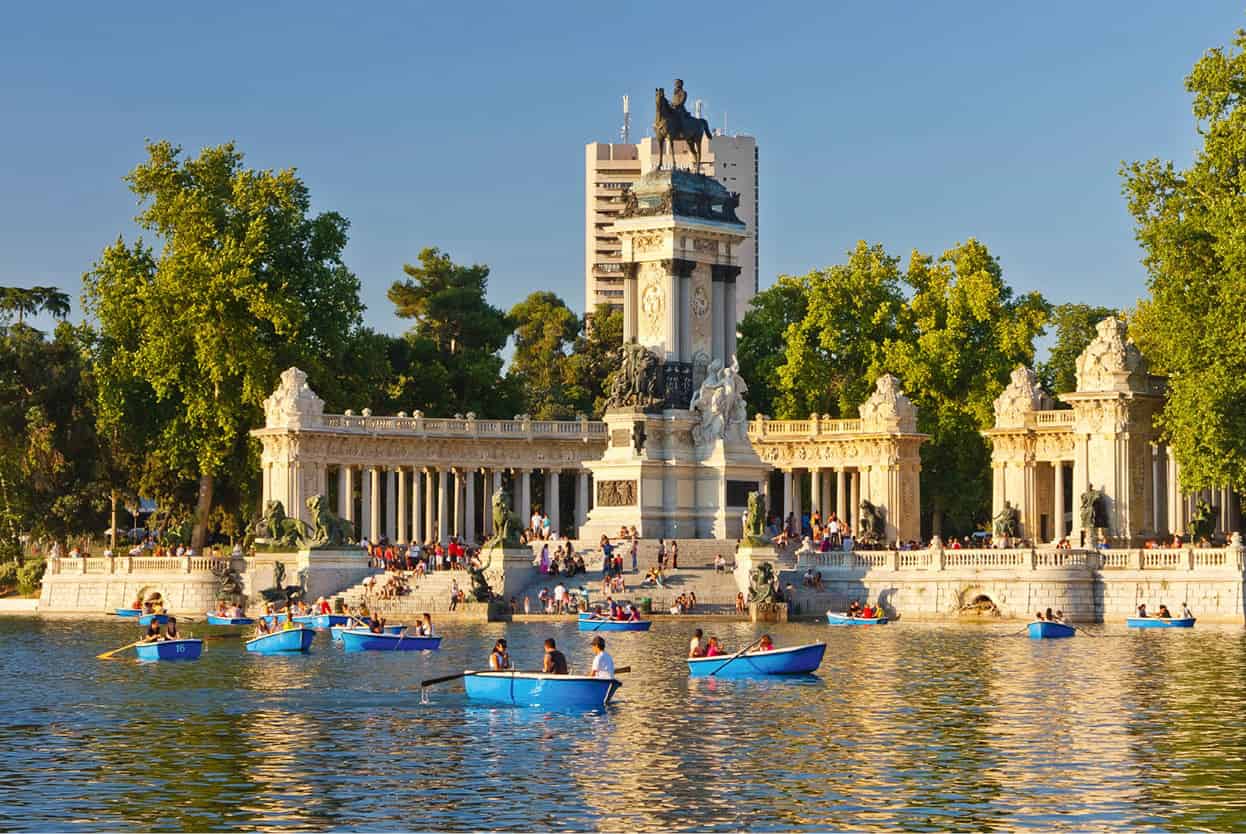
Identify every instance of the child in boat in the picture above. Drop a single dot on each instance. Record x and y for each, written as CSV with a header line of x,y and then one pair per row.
x,y
170,630
766,645
867,613
221,610
713,648
499,659
262,627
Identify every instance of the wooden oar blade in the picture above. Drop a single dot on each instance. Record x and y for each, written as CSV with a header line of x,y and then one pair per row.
x,y
435,681
107,655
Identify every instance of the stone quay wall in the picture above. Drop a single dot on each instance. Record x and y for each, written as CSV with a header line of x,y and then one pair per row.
x,y
1087,585
100,584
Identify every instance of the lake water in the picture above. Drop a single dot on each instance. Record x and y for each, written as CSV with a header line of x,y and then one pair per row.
x,y
915,726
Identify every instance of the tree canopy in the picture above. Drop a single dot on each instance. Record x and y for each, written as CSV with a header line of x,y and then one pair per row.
x,y
545,329
193,334
1190,223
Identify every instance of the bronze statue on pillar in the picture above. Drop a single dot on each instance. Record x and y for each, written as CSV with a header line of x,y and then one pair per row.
x,y
672,121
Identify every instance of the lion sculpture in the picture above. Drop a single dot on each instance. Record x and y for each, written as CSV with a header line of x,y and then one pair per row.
x,y
326,530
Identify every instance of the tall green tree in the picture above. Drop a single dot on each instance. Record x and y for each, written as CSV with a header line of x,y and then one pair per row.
x,y
456,339
1075,329
1190,224
960,335
545,329
589,371
193,334
851,310
760,347
28,301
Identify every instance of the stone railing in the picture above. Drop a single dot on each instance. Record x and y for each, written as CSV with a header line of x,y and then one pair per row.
x,y
466,427
795,429
1217,559
1058,417
122,565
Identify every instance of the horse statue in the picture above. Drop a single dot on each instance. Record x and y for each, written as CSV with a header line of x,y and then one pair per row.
x,y
669,124
326,529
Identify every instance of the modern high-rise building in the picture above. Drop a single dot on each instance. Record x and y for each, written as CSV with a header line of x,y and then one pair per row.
x,y
610,168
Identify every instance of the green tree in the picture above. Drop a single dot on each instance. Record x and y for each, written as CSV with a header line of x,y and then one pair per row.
x,y
544,331
851,311
456,339
1189,223
760,347
960,335
24,301
1075,328
589,370
193,335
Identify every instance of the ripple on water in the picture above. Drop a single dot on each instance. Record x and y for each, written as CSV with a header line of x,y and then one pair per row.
x,y
922,727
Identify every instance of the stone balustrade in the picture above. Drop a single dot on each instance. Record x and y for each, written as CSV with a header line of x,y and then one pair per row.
x,y
760,429
1213,559
468,427
125,565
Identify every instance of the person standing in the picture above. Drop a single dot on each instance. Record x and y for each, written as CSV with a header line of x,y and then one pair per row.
x,y
674,555
635,554
661,554
603,663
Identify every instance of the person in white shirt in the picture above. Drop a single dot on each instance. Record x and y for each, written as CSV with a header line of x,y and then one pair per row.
x,y
603,663
560,597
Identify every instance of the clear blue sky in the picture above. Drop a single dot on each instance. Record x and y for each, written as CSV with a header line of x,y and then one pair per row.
x,y
462,125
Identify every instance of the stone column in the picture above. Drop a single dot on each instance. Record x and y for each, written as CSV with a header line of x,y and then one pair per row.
x,y
630,304
815,492
525,496
787,492
457,529
430,506
442,496
854,502
417,505
581,500
345,493
671,290
716,330
365,505
391,505
1157,488
374,507
685,321
841,494
729,320
497,484
403,511
1059,501
797,499
470,518
553,499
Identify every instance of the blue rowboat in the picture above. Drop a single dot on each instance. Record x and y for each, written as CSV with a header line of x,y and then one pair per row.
x,y
274,619
337,630
217,619
282,642
128,612
323,622
797,660
536,689
362,640
184,649
588,622
1160,622
148,619
1047,630
844,619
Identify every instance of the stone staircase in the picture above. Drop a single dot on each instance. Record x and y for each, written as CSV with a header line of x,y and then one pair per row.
x,y
429,593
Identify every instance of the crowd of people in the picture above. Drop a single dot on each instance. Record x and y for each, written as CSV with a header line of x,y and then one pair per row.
x,y
700,646
555,662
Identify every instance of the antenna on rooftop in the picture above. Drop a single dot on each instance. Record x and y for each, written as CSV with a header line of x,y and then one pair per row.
x,y
697,107
626,130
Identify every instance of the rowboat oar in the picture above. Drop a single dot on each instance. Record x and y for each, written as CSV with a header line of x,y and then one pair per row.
x,y
736,655
1083,631
107,655
434,681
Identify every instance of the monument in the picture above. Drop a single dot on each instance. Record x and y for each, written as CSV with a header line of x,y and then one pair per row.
x,y
678,462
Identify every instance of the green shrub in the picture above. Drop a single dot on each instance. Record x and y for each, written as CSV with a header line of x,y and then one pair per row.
x,y
8,576
29,576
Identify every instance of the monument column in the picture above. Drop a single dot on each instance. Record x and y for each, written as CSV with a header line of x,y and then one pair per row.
x,y
685,316
365,505
1157,487
430,506
797,502
581,500
374,508
553,500
855,500
497,484
815,492
523,497
442,501
841,494
417,505
470,519
729,321
630,300
716,330
403,512
391,505
787,496
1059,502
346,493
458,530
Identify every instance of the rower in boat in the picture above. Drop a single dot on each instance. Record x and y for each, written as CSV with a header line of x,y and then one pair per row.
x,y
695,647
766,644
1164,613
499,658
555,661
1142,611
1186,613
377,626
603,663
170,630
425,627
153,633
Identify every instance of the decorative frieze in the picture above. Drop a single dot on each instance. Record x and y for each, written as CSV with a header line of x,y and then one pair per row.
x,y
616,493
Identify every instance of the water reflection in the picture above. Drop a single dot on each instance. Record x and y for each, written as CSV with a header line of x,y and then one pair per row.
x,y
917,726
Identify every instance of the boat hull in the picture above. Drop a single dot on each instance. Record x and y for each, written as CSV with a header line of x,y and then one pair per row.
x,y
1040,630
844,619
216,619
337,630
322,622
534,689
797,660
148,619
592,624
128,612
184,649
1157,622
359,640
287,641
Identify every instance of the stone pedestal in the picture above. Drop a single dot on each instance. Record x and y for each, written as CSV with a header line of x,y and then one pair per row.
x,y
323,572
767,612
510,569
750,554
